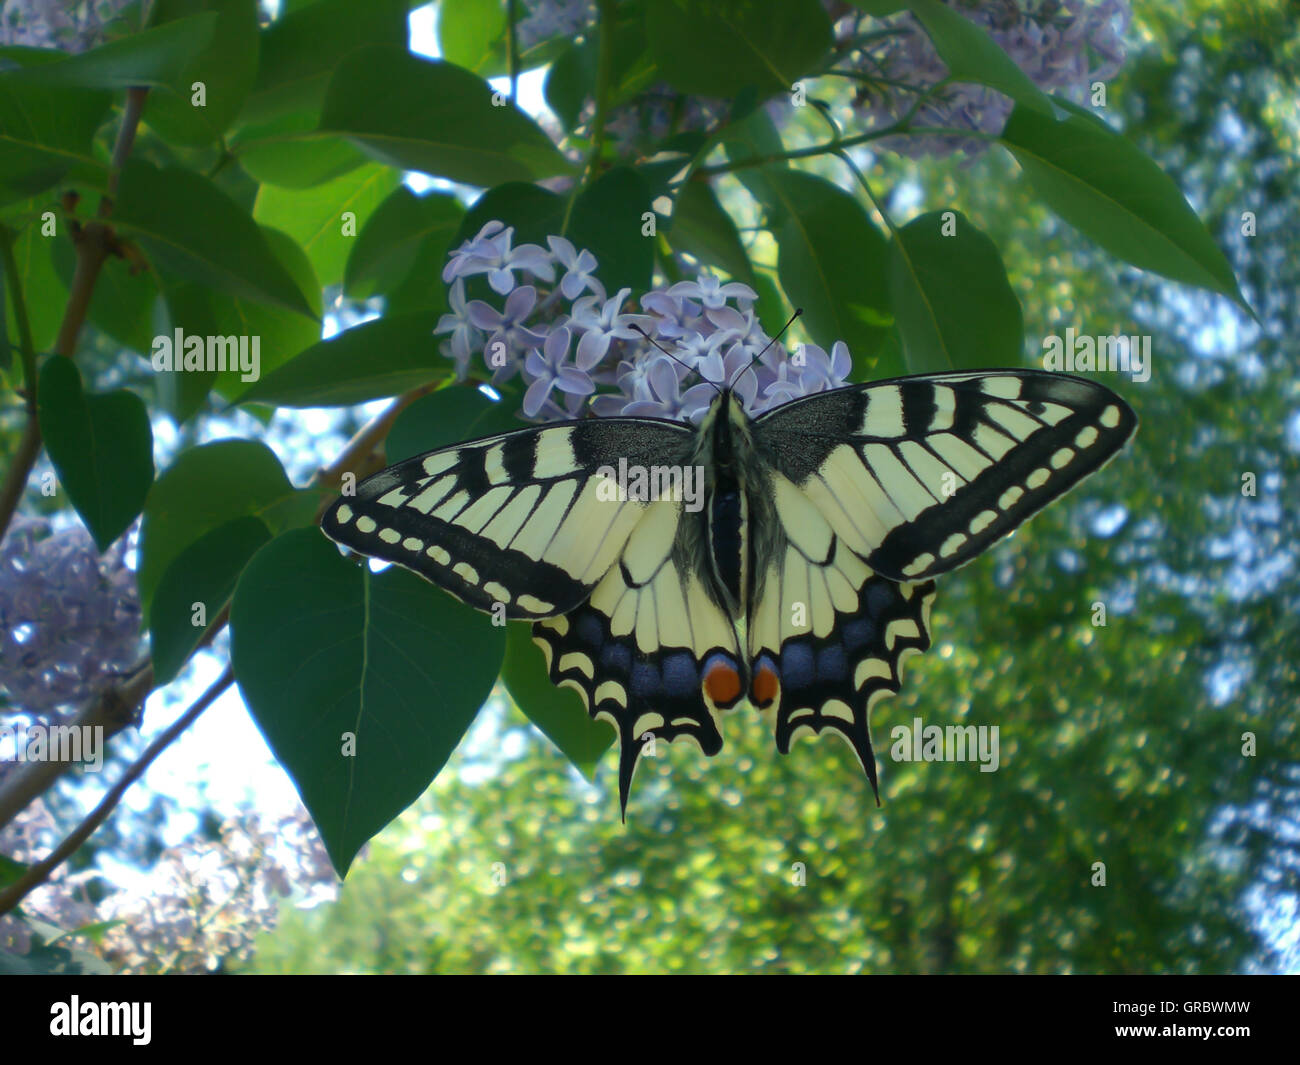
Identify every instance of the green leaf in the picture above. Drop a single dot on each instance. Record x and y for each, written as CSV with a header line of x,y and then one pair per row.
x,y
203,573
831,261
703,229
607,220
290,152
302,49
44,131
227,69
43,292
754,137
394,237
194,229
972,55
207,486
718,47
954,305
448,416
382,357
187,307
362,684
557,712
101,446
315,217
280,334
470,33
435,117
157,56
571,80
534,213
10,871
1107,189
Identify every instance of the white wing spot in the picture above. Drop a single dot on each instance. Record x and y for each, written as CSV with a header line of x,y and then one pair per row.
x,y
466,572
950,545
922,563
389,536
1110,417
343,514
534,605
982,521
1062,458
1086,437
1010,497
412,544
366,524
498,592
1038,478
439,555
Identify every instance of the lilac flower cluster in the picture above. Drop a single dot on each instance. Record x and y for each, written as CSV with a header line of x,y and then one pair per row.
x,y
69,619
1063,45
211,899
575,347
71,27
543,19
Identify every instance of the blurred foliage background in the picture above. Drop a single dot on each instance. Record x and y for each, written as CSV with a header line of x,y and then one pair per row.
x,y
1122,744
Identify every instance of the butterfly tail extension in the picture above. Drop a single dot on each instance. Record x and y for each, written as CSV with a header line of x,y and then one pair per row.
x,y
832,682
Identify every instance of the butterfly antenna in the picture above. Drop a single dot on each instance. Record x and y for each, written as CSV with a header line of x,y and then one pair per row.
x,y
675,359
797,311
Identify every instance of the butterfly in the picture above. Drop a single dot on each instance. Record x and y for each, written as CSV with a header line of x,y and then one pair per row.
x,y
671,570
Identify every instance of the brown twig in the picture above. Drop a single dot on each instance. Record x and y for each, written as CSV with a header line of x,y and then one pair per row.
x,y
94,242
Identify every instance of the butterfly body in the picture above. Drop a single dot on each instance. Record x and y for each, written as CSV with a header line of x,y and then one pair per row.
x,y
800,576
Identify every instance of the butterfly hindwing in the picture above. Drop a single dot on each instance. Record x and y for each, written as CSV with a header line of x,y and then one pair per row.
x,y
827,637
921,474
522,519
651,651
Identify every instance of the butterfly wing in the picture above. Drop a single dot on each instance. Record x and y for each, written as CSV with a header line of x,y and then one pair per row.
x,y
652,650
527,522
524,520
827,637
920,474
876,489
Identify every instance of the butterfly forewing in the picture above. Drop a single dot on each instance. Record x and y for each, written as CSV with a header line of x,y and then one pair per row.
x,y
518,520
921,474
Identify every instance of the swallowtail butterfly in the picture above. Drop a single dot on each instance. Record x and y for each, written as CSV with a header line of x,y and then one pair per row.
x,y
802,583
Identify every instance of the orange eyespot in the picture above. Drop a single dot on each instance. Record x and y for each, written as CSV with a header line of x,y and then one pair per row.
x,y
766,685
722,683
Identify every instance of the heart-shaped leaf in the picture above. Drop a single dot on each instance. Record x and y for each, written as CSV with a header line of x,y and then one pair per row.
x,y
101,446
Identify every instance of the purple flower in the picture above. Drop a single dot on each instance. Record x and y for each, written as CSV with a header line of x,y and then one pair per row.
x,y
711,292
464,337
490,253
506,329
601,323
549,368
578,266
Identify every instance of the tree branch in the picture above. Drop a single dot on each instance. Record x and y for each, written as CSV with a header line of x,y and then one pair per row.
x,y
40,872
